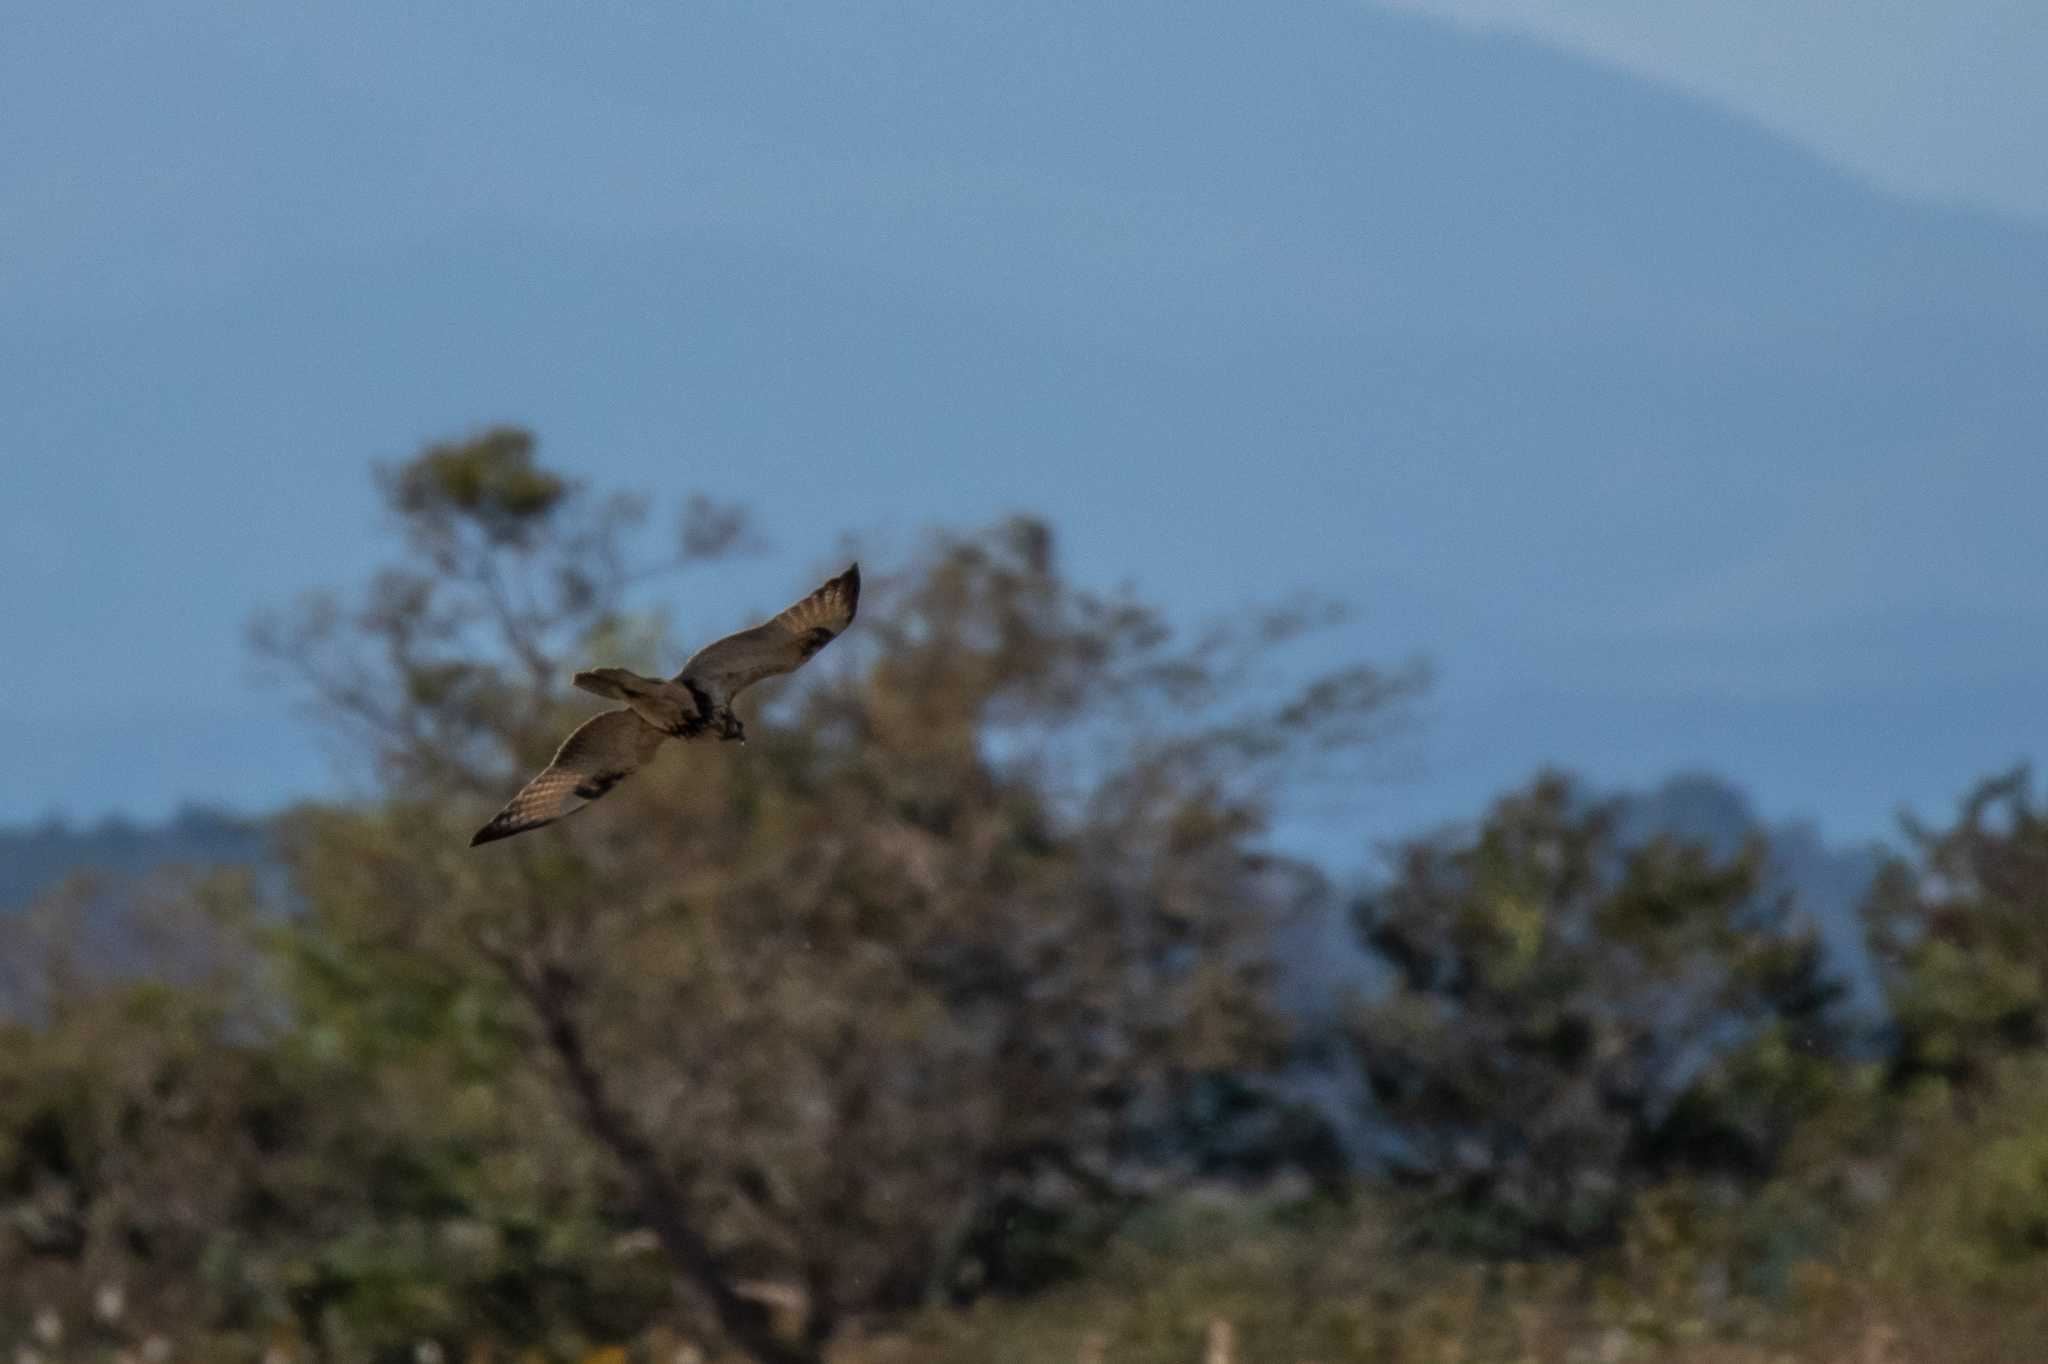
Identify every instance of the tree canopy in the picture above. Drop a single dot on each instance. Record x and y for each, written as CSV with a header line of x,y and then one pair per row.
x,y
967,982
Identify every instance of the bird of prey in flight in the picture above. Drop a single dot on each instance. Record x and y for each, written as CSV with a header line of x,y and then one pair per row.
x,y
605,750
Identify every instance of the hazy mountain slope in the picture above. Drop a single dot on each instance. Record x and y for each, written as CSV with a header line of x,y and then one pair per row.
x,y
1595,393
35,859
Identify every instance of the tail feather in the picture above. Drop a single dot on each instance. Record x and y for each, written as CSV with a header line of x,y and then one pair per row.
x,y
613,684
665,705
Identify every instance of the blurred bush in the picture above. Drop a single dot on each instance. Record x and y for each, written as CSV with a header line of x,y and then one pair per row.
x,y
915,1000
1572,1019
942,1023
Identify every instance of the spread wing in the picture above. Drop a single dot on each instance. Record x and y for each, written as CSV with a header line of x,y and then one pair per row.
x,y
602,752
725,669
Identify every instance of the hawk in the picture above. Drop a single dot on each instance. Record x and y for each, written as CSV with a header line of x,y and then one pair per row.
x,y
605,750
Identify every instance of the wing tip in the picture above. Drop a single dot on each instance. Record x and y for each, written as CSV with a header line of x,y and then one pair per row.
x,y
492,832
849,583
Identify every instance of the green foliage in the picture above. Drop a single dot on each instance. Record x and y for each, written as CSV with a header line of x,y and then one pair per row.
x,y
490,480
939,1023
1960,935
1570,1019
139,1122
1248,1282
915,998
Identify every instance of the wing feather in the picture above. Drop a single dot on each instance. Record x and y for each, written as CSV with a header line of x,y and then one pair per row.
x,y
599,754
729,666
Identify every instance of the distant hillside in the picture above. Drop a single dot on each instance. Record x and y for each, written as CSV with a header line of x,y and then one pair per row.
x,y
1829,880
36,859
1667,441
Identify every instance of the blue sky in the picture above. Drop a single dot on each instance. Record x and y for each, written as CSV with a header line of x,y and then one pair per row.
x,y
1678,396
